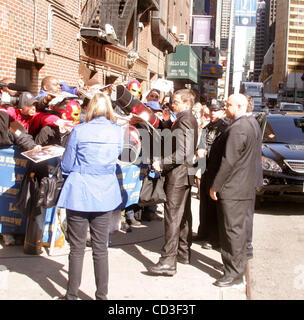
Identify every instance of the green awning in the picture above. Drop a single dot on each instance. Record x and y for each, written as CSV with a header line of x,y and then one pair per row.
x,y
183,64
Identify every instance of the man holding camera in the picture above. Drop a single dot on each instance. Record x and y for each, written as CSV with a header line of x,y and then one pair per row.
x,y
11,132
25,113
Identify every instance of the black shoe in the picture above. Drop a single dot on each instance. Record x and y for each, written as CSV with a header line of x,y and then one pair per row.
x,y
183,260
210,245
228,281
163,269
132,221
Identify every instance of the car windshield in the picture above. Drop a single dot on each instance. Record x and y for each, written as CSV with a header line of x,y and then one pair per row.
x,y
284,130
292,107
257,108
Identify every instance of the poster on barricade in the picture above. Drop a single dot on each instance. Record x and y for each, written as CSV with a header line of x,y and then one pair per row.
x,y
130,178
12,168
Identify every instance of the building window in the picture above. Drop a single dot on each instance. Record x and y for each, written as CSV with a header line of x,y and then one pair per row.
x,y
27,75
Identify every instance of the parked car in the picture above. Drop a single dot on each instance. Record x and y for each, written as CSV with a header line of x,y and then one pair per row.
x,y
282,156
287,106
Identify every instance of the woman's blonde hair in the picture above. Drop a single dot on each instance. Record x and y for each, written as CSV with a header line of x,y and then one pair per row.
x,y
99,106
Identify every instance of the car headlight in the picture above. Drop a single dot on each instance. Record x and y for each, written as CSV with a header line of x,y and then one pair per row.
x,y
270,165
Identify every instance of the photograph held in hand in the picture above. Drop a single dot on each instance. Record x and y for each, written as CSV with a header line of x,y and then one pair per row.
x,y
45,153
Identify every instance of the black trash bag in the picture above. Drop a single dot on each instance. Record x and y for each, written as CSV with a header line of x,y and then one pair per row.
x,y
50,188
152,191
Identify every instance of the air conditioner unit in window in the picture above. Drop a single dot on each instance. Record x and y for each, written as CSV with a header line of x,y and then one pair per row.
x,y
182,37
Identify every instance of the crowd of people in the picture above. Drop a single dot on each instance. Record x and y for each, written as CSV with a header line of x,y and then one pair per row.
x,y
215,146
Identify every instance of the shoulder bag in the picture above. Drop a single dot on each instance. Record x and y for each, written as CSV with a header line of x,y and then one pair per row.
x,y
50,188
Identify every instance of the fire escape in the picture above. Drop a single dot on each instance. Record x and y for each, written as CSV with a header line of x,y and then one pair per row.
x,y
109,20
106,26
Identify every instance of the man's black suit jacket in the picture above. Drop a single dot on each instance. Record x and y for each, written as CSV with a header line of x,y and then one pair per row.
x,y
259,170
178,160
236,177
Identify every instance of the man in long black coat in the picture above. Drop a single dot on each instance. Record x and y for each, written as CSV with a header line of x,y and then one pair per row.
x,y
234,188
208,227
178,169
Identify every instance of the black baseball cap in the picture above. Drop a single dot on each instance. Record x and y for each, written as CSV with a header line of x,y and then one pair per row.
x,y
26,99
216,105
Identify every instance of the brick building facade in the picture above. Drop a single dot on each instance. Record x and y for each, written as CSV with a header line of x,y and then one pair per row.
x,y
45,37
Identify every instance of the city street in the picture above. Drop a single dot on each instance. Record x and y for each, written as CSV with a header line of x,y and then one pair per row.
x,y
275,273
127,91
43,277
277,270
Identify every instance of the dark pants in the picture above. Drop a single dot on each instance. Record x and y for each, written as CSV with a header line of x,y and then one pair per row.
x,y
233,236
249,228
208,227
78,223
178,224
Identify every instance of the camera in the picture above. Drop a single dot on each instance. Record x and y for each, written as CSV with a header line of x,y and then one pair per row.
x,y
7,100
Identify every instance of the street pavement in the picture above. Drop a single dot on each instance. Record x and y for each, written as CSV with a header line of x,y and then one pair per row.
x,y
26,277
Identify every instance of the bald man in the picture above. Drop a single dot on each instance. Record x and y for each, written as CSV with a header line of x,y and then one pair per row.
x,y
51,84
233,188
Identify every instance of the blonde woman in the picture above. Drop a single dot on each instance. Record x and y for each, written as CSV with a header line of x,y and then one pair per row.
x,y
91,191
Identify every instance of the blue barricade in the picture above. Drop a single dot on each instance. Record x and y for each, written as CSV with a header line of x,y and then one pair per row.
x,y
130,178
12,168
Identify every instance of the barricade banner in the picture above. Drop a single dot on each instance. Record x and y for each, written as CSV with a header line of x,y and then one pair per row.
x,y
12,168
130,178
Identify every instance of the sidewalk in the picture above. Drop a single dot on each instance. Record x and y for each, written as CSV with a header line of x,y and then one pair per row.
x,y
43,277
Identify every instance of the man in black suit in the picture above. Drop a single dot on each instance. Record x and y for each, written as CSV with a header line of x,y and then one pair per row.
x,y
259,178
208,226
178,169
234,188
